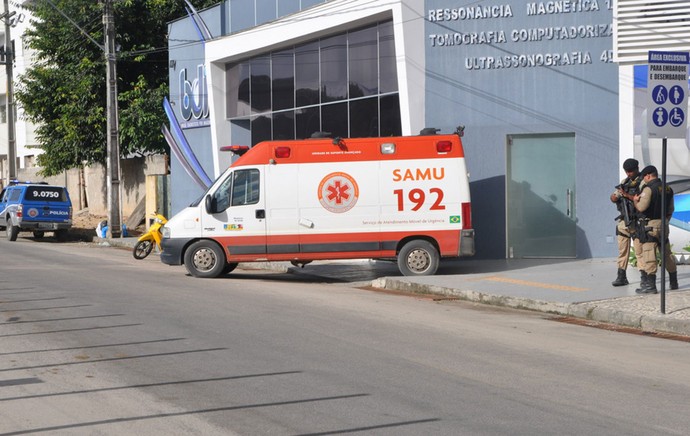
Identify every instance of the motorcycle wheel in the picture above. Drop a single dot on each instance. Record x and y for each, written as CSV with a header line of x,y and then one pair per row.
x,y
142,249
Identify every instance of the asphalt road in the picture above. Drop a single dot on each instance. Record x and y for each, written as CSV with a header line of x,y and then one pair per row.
x,y
95,342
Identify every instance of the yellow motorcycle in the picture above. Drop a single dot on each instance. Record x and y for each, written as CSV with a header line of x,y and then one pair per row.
x,y
145,242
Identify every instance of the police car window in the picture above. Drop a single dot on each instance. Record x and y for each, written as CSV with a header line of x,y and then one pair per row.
x,y
14,195
245,187
45,193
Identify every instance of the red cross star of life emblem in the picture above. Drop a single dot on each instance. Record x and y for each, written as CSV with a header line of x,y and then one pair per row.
x,y
338,192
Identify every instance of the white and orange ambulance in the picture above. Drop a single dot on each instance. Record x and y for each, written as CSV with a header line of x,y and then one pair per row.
x,y
330,198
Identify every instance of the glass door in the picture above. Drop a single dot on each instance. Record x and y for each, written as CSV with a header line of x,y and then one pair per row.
x,y
540,196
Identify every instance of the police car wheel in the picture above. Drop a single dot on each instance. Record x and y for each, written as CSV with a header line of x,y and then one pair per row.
x,y
12,232
205,259
418,258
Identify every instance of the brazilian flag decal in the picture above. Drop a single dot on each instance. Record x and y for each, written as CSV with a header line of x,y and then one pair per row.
x,y
455,219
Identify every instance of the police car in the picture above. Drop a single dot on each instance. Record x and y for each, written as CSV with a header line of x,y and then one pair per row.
x,y
35,207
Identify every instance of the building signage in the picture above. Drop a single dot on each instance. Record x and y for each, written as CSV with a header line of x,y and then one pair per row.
x,y
522,33
193,99
667,89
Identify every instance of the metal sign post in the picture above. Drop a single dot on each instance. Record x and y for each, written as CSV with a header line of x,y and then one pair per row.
x,y
667,88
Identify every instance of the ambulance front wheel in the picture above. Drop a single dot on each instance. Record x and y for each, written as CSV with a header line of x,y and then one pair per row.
x,y
205,259
418,258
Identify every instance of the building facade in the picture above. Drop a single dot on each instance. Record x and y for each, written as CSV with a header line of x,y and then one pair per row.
x,y
534,84
25,139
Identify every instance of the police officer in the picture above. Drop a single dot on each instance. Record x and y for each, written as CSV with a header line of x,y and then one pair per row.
x,y
648,203
626,190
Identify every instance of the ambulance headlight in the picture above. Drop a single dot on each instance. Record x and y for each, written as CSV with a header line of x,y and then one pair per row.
x,y
166,232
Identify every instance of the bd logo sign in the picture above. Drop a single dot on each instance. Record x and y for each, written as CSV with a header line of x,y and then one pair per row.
x,y
194,99
338,192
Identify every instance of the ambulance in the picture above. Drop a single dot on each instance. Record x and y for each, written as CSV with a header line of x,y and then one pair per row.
x,y
397,198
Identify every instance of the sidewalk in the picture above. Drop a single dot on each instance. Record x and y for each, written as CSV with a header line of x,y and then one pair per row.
x,y
579,287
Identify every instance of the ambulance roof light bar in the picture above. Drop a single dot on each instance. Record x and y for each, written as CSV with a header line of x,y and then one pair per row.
x,y
237,149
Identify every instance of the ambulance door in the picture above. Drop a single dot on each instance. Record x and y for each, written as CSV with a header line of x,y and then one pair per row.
x,y
236,213
282,209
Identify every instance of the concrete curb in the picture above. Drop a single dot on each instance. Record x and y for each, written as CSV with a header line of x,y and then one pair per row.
x,y
613,311
589,310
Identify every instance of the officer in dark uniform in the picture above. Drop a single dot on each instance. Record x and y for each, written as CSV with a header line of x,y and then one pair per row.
x,y
648,204
627,189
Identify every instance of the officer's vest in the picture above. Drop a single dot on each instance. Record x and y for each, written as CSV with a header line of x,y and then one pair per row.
x,y
653,212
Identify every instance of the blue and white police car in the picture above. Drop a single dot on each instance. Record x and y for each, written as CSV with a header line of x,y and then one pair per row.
x,y
37,208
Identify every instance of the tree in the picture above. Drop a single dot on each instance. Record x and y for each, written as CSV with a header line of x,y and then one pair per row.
x,y
64,92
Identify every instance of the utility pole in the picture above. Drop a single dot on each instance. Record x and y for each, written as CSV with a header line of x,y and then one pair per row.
x,y
113,141
9,100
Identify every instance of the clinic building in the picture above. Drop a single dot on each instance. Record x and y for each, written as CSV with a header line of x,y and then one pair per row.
x,y
534,83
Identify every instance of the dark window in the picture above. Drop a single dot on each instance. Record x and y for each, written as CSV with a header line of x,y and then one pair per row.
x,y
261,84
363,55
284,125
307,74
245,187
334,119
283,73
294,89
240,188
364,118
387,62
261,129
307,121
390,115
334,68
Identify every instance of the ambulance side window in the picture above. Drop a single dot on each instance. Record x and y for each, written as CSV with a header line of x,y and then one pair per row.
x,y
221,197
245,187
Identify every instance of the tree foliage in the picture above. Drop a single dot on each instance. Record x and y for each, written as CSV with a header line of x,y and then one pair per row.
x,y
64,91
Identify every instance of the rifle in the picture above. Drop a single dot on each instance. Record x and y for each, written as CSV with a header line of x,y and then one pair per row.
x,y
626,210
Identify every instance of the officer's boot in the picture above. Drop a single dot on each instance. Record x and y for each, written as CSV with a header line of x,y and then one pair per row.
x,y
673,280
621,280
649,287
643,280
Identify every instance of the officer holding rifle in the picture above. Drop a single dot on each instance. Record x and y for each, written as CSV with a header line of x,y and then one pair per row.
x,y
648,205
623,197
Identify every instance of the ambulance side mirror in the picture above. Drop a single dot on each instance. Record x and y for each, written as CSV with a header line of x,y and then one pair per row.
x,y
210,204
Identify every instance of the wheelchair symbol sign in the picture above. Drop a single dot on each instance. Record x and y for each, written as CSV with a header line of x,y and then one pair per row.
x,y
676,117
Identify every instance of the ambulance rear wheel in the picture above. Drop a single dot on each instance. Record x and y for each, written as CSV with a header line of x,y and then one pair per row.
x,y
418,258
205,259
